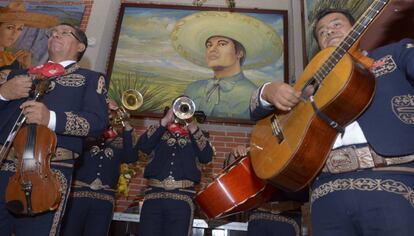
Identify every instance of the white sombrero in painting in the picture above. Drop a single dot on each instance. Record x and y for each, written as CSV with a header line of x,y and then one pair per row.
x,y
16,12
263,45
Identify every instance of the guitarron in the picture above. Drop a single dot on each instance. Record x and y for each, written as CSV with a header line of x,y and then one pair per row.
x,y
235,190
289,149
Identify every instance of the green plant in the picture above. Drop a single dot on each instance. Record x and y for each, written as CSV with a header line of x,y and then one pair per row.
x,y
154,97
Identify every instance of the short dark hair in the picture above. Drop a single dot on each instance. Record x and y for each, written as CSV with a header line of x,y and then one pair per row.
x,y
322,13
237,46
81,36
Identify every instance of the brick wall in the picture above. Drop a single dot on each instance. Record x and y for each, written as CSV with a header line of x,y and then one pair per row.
x,y
224,137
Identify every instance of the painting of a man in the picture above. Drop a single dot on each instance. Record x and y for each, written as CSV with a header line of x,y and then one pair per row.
x,y
161,51
227,43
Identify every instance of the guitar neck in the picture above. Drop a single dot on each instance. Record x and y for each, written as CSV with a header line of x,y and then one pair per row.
x,y
358,29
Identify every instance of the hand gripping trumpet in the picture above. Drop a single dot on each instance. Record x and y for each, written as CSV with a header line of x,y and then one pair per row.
x,y
131,100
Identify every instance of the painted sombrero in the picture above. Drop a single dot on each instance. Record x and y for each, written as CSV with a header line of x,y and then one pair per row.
x,y
263,45
16,12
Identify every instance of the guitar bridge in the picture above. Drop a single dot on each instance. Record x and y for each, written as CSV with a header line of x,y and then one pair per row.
x,y
276,129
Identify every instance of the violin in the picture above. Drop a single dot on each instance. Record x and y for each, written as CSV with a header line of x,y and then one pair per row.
x,y
34,188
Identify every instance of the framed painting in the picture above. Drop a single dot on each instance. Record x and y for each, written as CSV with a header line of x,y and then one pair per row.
x,y
34,40
165,51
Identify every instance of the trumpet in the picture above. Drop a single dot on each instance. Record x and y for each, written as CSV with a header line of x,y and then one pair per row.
x,y
183,109
131,100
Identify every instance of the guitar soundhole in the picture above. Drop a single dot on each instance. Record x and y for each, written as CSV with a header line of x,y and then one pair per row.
x,y
310,89
276,130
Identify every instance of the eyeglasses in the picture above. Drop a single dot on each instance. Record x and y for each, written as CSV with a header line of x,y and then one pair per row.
x,y
53,32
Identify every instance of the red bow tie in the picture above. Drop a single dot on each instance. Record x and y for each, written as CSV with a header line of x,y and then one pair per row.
x,y
178,129
47,70
110,133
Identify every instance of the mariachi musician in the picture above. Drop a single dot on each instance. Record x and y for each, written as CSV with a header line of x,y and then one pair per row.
x,y
92,199
178,146
74,107
366,185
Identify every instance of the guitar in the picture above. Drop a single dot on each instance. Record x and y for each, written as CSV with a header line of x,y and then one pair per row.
x,y
236,189
289,149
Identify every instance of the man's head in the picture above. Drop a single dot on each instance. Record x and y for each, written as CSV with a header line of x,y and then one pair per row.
x,y
66,42
223,52
332,26
263,46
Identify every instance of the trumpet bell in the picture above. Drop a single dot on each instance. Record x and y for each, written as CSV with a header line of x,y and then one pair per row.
x,y
132,99
183,108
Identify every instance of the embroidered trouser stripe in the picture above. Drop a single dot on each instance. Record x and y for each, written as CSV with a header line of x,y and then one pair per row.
x,y
279,218
364,184
174,196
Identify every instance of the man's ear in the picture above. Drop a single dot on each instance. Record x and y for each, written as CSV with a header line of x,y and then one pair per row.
x,y
81,47
240,54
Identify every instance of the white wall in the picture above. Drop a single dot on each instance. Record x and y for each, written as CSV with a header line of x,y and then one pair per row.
x,y
102,22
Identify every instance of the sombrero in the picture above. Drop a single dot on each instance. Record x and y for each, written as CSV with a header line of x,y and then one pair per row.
x,y
16,12
263,45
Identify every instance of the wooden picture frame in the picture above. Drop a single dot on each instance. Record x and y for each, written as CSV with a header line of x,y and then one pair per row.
x,y
145,55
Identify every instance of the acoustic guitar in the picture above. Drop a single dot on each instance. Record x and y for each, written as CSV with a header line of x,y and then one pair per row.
x,y
289,149
235,190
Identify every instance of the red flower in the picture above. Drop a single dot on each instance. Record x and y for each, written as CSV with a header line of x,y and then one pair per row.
x,y
48,70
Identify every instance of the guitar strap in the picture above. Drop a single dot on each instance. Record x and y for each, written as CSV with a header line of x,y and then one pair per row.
x,y
326,118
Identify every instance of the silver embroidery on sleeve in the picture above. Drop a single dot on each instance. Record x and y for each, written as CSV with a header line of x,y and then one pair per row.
x,y
101,85
151,130
76,125
403,108
201,140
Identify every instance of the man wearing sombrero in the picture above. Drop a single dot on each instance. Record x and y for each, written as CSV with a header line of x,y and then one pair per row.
x,y
13,18
227,43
